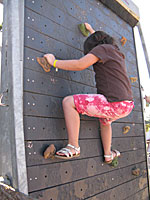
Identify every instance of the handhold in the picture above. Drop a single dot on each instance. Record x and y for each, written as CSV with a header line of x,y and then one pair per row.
x,y
126,129
133,79
123,40
83,29
136,171
44,63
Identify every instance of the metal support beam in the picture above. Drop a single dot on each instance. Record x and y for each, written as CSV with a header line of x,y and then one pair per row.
x,y
12,148
144,47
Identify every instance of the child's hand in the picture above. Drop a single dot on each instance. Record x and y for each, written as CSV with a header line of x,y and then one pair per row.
x,y
89,28
147,98
50,58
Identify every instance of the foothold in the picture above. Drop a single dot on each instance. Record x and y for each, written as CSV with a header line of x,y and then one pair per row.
x,y
123,40
126,129
56,69
115,162
50,152
133,79
83,29
136,171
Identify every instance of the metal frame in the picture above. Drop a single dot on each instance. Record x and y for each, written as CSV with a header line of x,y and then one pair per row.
x,y
141,97
12,147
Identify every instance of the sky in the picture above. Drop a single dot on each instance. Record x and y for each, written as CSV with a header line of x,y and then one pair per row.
x,y
144,10
143,6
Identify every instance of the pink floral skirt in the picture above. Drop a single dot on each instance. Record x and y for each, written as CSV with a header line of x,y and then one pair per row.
x,y
96,105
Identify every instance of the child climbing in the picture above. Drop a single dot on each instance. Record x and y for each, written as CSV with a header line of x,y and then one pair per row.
x,y
113,100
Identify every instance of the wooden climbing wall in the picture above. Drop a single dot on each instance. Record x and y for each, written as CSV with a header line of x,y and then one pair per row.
x,y
51,26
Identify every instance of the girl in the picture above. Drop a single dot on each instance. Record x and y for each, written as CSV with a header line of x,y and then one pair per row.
x,y
113,100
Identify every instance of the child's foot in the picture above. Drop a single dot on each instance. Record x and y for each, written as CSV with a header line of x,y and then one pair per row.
x,y
68,152
112,156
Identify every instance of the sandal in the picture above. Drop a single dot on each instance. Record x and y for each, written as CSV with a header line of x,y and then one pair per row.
x,y
44,63
112,157
67,152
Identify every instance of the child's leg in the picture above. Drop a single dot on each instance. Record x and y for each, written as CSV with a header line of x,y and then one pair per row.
x,y
106,136
72,120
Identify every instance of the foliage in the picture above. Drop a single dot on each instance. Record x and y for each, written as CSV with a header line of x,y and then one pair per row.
x,y
1,26
147,127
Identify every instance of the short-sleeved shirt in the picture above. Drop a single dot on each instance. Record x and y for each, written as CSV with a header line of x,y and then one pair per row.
x,y
111,74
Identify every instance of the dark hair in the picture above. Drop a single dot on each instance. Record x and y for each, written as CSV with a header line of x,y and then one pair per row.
x,y
99,37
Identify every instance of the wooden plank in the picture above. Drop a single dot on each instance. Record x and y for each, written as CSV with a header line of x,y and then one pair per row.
x,y
77,10
55,175
53,129
48,27
123,191
37,128
141,195
30,63
124,10
35,149
53,13
48,106
135,130
117,193
51,85
130,52
47,44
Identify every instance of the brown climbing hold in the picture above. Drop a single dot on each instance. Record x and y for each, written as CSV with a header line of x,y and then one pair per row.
x,y
123,40
136,171
126,129
50,152
133,79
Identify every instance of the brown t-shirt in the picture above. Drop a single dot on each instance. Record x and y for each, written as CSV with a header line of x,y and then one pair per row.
x,y
111,74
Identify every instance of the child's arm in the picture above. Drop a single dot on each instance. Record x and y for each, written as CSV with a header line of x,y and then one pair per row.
x,y
72,65
89,28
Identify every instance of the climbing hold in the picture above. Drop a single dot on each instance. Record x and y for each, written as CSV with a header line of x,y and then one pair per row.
x,y
83,29
50,152
133,79
115,162
136,171
123,40
44,63
126,129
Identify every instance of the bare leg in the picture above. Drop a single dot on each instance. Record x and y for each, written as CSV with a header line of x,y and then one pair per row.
x,y
106,135
72,120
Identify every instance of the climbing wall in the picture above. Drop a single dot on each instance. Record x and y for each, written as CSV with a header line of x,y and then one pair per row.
x,y
51,27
